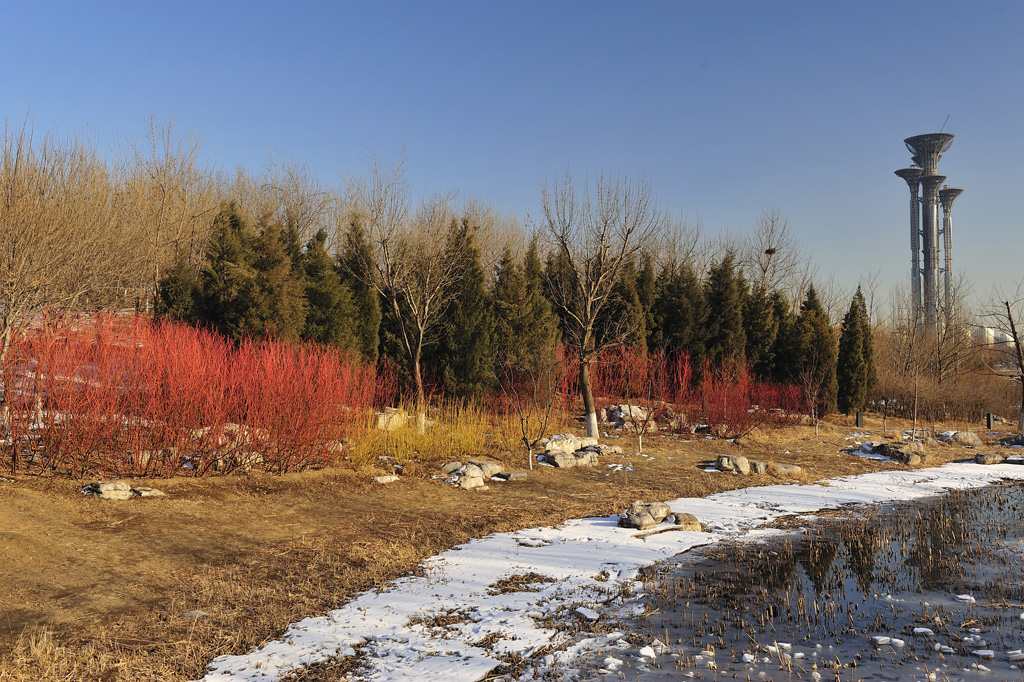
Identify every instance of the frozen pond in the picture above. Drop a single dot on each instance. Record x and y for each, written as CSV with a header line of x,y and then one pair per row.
x,y
924,590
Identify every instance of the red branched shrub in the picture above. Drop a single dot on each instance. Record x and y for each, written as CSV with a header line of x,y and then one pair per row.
x,y
135,397
731,400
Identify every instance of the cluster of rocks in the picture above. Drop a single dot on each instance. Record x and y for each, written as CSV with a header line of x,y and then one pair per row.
x,y
644,515
989,458
965,438
739,464
474,474
120,490
618,416
566,451
912,453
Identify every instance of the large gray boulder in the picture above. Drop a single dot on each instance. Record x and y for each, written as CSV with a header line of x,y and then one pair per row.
x,y
784,470
967,438
488,467
643,515
989,458
620,414
566,442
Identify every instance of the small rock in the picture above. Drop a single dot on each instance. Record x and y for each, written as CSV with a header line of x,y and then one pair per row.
x,y
965,598
741,464
451,467
391,478
470,482
647,652
146,491
471,471
984,653
562,460
689,522
587,614
643,515
988,458
758,467
725,463
488,466
784,470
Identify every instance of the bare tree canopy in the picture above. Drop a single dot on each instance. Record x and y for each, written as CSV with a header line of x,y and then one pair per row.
x,y
594,236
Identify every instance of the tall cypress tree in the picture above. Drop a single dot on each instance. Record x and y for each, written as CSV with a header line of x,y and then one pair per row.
x,y
679,313
227,281
726,339
330,313
785,351
760,329
278,307
558,275
647,290
463,359
852,369
817,354
526,330
354,270
625,316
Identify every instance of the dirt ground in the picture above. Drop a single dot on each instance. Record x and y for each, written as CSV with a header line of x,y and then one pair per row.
x,y
152,589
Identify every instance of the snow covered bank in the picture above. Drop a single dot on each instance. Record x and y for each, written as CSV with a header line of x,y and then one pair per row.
x,y
493,596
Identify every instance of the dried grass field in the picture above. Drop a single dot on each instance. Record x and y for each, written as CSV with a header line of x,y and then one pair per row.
x,y
152,589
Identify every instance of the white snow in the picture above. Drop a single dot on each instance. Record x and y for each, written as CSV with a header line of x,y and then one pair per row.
x,y
590,559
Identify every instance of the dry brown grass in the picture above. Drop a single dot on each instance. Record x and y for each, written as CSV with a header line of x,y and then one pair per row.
x,y
104,590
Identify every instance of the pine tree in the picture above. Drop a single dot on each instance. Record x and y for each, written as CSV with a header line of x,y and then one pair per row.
x,y
679,313
760,329
292,242
785,358
227,281
726,340
558,275
526,330
625,317
817,355
178,292
330,313
354,270
647,290
463,359
853,372
278,307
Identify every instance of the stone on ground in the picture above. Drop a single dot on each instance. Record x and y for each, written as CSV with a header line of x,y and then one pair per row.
x,y
967,438
643,515
451,467
784,470
689,522
391,419
988,458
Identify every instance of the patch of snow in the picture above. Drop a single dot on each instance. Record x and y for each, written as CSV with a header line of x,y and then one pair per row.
x,y
590,559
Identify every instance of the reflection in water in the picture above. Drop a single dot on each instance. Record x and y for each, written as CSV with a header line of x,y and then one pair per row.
x,y
827,590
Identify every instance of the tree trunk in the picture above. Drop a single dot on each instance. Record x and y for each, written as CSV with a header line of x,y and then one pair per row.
x,y
589,410
421,396
5,415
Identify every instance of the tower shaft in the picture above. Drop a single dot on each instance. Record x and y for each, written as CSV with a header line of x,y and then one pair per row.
x,y
930,232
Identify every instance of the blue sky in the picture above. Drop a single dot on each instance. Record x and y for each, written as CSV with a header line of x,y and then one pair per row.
x,y
726,109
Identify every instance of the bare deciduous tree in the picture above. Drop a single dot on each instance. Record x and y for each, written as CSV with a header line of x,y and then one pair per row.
x,y
594,236
66,240
1005,320
412,268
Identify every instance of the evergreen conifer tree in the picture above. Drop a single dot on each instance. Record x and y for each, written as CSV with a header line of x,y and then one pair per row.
x,y
785,359
627,312
726,339
354,269
526,330
227,281
852,369
463,359
647,290
278,304
760,329
679,313
817,354
330,313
